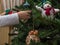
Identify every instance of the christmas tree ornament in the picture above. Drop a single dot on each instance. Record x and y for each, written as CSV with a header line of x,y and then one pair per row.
x,y
47,11
32,35
31,32
8,11
26,4
15,30
36,32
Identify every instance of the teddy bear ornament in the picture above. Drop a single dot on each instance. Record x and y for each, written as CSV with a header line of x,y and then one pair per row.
x,y
47,11
32,35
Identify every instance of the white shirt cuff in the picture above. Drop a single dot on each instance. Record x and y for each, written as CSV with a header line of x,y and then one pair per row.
x,y
10,19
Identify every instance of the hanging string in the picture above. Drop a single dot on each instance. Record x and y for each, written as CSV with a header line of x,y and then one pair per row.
x,y
33,21
33,18
43,1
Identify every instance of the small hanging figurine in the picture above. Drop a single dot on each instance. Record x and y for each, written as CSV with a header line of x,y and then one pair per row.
x,y
47,11
8,11
32,35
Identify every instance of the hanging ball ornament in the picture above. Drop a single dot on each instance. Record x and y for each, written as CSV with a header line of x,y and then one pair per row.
x,y
26,4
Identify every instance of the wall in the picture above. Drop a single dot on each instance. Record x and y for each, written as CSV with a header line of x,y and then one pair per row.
x,y
8,4
4,38
3,32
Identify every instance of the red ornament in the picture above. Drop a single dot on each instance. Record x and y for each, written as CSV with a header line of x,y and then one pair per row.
x,y
10,12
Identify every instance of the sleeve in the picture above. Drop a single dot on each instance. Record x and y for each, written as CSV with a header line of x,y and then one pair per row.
x,y
57,10
10,19
39,8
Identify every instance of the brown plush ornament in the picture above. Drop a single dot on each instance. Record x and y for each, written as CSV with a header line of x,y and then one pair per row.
x,y
31,32
32,35
36,32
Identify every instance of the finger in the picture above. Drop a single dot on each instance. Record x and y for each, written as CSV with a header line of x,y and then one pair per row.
x,y
27,15
28,11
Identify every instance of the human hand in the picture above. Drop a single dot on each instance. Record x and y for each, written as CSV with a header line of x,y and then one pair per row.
x,y
24,14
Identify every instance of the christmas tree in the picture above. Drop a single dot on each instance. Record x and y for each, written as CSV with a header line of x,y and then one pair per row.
x,y
48,30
